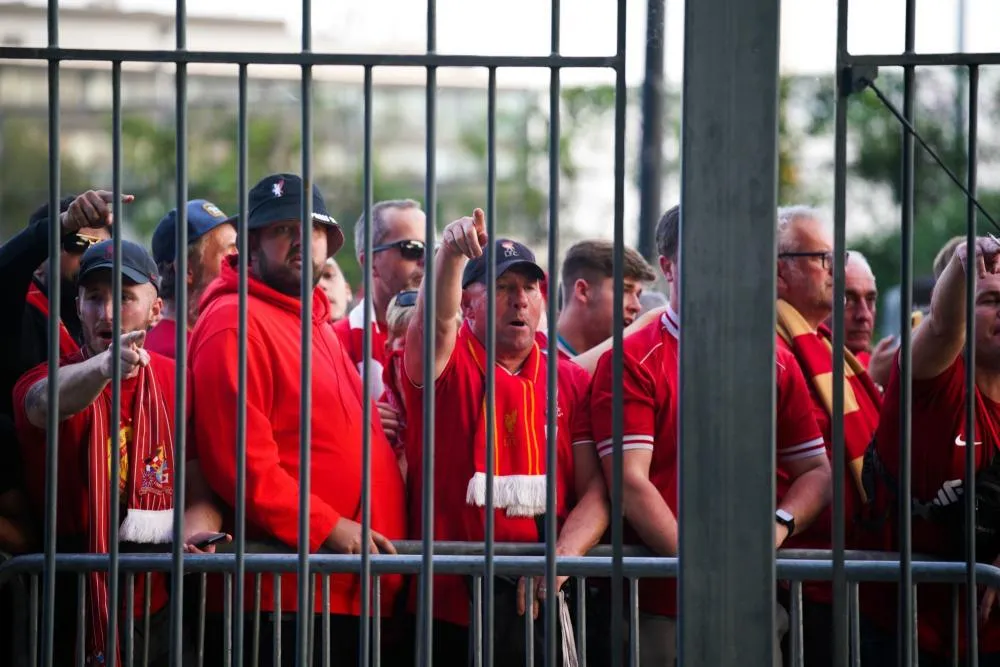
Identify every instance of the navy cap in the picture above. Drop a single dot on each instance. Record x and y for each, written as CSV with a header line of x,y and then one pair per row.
x,y
509,254
202,217
279,197
137,265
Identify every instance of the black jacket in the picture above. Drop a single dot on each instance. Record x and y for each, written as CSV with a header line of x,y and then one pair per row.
x,y
24,334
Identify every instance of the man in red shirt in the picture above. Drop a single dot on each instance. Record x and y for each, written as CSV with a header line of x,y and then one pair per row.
x,y
586,319
143,437
397,264
650,449
939,444
211,236
805,301
272,414
519,464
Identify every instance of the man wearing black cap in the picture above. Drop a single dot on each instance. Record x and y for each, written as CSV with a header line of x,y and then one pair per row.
x,y
459,375
211,236
143,437
273,391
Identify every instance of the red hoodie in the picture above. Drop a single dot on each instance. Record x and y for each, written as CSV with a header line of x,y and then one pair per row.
x,y
272,405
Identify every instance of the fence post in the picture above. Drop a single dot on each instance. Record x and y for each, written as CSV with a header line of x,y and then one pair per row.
x,y
727,387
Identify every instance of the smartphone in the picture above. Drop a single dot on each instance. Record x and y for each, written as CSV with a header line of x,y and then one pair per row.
x,y
210,540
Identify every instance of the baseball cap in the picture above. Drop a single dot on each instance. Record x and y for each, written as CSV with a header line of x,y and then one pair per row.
x,y
137,265
279,197
508,255
202,217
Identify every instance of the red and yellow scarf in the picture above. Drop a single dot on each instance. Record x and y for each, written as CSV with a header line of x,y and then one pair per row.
x,y
519,446
40,302
146,486
814,351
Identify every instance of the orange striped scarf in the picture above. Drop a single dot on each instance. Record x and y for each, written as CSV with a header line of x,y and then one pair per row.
x,y
519,441
814,351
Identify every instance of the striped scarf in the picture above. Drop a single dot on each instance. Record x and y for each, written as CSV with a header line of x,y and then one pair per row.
x,y
40,302
519,448
145,484
814,352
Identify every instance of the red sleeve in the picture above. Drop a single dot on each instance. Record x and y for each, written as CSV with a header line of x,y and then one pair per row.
x,y
272,494
581,430
638,414
798,434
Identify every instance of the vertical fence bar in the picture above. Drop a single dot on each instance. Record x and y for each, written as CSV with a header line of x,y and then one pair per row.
x,y
651,161
906,602
33,619
325,596
795,625
227,614
633,615
491,358
199,643
971,615
304,616
242,245
581,621
114,521
529,622
147,597
377,628
81,618
255,651
54,284
129,619
730,107
276,648
550,608
837,425
180,344
617,356
366,407
854,616
425,653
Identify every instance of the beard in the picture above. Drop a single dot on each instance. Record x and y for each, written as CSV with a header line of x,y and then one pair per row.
x,y
283,277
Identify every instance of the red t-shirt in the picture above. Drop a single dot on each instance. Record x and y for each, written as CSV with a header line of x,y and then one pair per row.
x,y
73,492
938,453
459,393
162,338
650,402
351,331
272,428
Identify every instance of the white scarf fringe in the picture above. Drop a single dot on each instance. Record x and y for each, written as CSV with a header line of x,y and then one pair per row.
x,y
519,495
147,526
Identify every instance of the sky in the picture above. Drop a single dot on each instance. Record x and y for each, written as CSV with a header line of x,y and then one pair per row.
x,y
521,27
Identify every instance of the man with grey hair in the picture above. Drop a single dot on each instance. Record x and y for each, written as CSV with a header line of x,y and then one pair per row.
x,y
397,263
805,302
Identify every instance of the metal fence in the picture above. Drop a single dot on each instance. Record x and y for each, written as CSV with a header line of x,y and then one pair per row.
x,y
726,567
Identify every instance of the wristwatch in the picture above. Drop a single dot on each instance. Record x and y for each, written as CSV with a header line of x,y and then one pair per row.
x,y
786,520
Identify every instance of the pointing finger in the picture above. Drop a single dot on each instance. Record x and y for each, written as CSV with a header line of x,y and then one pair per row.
x,y
134,337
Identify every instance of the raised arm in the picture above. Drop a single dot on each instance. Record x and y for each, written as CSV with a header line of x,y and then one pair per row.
x,y
80,384
941,336
461,241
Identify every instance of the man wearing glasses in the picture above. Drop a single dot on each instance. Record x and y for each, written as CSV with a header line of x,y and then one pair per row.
x,y
397,264
805,301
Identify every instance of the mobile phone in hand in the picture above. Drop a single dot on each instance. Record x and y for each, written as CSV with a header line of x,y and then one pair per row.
x,y
210,540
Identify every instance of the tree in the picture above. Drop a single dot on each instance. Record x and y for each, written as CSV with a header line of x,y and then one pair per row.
x,y
876,137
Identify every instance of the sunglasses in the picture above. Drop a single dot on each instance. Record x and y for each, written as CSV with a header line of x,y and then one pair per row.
x,y
407,298
411,250
77,244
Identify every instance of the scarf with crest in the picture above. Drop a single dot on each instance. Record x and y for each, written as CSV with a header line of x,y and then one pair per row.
x,y
145,484
519,441
862,400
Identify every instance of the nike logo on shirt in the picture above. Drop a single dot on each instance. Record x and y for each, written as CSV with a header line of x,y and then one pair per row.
x,y
961,443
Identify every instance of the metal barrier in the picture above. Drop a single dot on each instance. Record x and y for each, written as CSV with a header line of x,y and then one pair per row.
x,y
730,111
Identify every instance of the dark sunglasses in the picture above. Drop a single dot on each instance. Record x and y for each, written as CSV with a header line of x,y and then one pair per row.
x,y
411,250
77,244
407,298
